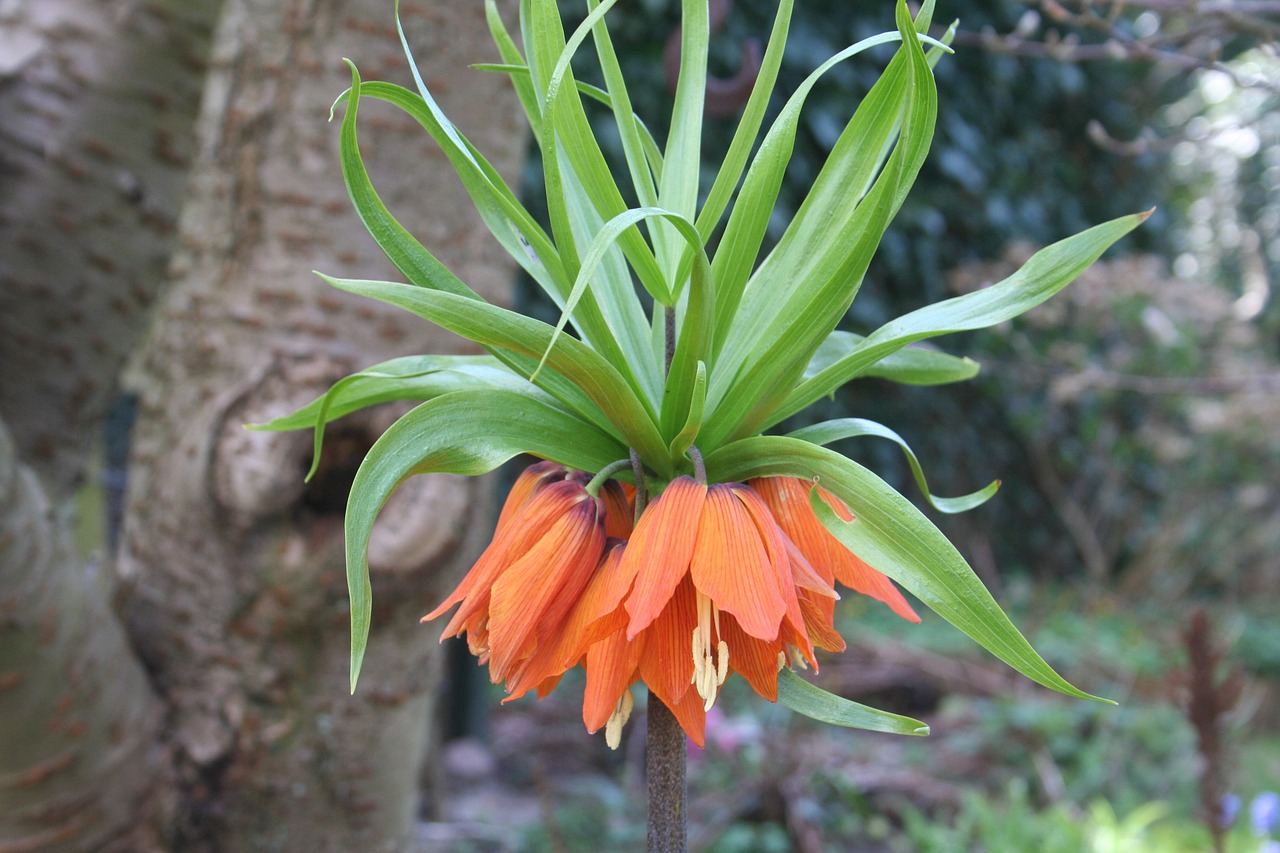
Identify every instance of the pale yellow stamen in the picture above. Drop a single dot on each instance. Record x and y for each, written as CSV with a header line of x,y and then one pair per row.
x,y
797,657
618,719
709,670
782,660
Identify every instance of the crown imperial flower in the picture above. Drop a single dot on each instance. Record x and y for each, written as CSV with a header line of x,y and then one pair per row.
x,y
683,340
713,580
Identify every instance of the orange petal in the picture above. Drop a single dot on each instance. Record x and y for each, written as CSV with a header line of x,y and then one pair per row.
x,y
807,577
779,549
754,659
667,663
731,566
618,511
599,611
659,550
530,481
788,498
691,716
611,668
537,591
509,542
569,640
860,577
545,688
818,621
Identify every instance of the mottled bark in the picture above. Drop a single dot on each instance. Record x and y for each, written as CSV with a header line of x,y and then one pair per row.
x,y
233,585
81,767
97,100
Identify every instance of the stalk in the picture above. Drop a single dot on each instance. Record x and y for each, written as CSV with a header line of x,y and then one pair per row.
x,y
668,787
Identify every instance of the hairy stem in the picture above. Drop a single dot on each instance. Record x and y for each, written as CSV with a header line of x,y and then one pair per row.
x,y
668,788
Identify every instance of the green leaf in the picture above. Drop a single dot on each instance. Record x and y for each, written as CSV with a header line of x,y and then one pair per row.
x,y
511,55
411,377
604,241
842,428
466,432
744,135
1047,272
583,372
749,219
802,290
909,366
816,703
615,327
896,539
693,423
584,177
621,335
683,152
629,125
414,377
409,256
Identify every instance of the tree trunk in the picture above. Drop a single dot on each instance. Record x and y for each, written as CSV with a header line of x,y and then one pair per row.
x,y
98,101
239,733
234,592
81,766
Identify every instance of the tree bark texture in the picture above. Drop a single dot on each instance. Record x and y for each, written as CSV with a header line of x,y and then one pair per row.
x,y
81,767
97,100
231,569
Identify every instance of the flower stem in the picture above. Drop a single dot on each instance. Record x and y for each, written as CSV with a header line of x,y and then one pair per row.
x,y
699,467
598,481
642,491
668,789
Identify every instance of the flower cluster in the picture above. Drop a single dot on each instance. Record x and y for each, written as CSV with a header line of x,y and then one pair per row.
x,y
711,580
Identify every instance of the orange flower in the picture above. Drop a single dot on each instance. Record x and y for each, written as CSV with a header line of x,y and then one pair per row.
x,y
788,499
713,580
707,585
549,540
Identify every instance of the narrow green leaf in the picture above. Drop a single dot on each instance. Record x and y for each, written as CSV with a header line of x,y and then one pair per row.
x,y
697,401
744,135
615,327
466,432
909,366
584,371
816,703
414,377
629,126
604,241
683,151
795,305
895,538
511,55
504,216
409,256
568,135
835,430
749,219
1047,272
648,144
398,379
